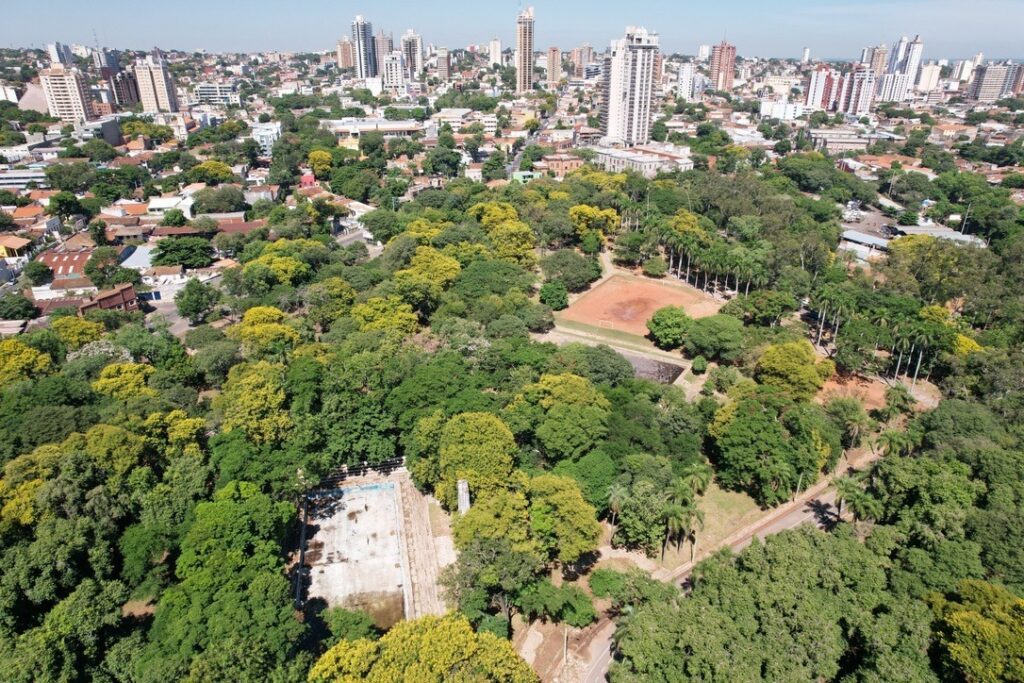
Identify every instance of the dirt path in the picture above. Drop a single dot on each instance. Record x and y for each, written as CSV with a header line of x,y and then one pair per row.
x,y
816,505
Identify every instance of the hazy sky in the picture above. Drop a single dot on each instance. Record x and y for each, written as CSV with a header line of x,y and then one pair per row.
x,y
831,28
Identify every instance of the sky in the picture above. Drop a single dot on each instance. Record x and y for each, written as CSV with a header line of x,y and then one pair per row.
x,y
765,28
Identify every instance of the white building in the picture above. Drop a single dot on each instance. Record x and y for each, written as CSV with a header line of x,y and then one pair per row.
x,y
223,94
647,160
806,58
394,72
991,82
928,77
703,53
495,51
66,95
781,109
858,91
365,48
60,54
266,134
902,71
822,88
628,88
684,88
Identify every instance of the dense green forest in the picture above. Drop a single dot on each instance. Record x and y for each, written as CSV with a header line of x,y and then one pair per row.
x,y
148,503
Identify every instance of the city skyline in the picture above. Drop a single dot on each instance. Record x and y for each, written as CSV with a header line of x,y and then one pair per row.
x,y
835,29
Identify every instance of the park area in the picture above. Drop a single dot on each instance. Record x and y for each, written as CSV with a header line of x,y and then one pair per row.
x,y
624,303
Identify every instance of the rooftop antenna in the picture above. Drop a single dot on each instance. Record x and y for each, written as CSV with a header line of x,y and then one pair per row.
x,y
95,39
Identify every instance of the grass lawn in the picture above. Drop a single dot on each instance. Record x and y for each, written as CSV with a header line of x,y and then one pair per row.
x,y
724,513
624,339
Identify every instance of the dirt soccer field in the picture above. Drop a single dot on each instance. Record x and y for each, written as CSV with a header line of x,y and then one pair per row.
x,y
626,304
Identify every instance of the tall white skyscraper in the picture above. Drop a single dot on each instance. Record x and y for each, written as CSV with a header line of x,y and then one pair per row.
x,y
902,71
394,72
684,89
628,88
364,47
806,58
524,51
703,53
495,51
156,89
67,96
412,49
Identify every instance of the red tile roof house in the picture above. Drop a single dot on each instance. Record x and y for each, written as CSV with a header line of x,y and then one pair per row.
x,y
66,264
120,298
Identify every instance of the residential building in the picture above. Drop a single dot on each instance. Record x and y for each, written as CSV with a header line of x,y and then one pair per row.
x,y
345,53
806,58
928,77
120,298
877,58
821,89
857,93
60,54
554,67
628,88
444,64
723,66
991,82
685,86
104,59
494,50
703,53
524,51
66,95
963,69
581,56
266,134
412,49
901,72
156,89
394,72
125,88
364,48
383,45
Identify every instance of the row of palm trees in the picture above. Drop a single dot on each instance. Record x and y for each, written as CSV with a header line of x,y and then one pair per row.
x,y
903,333
712,263
680,513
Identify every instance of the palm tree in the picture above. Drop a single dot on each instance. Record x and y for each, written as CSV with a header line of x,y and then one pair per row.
x,y
697,477
694,519
895,442
675,518
864,506
847,488
618,494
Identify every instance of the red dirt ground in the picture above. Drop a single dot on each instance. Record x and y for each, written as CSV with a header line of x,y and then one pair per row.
x,y
626,304
870,391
